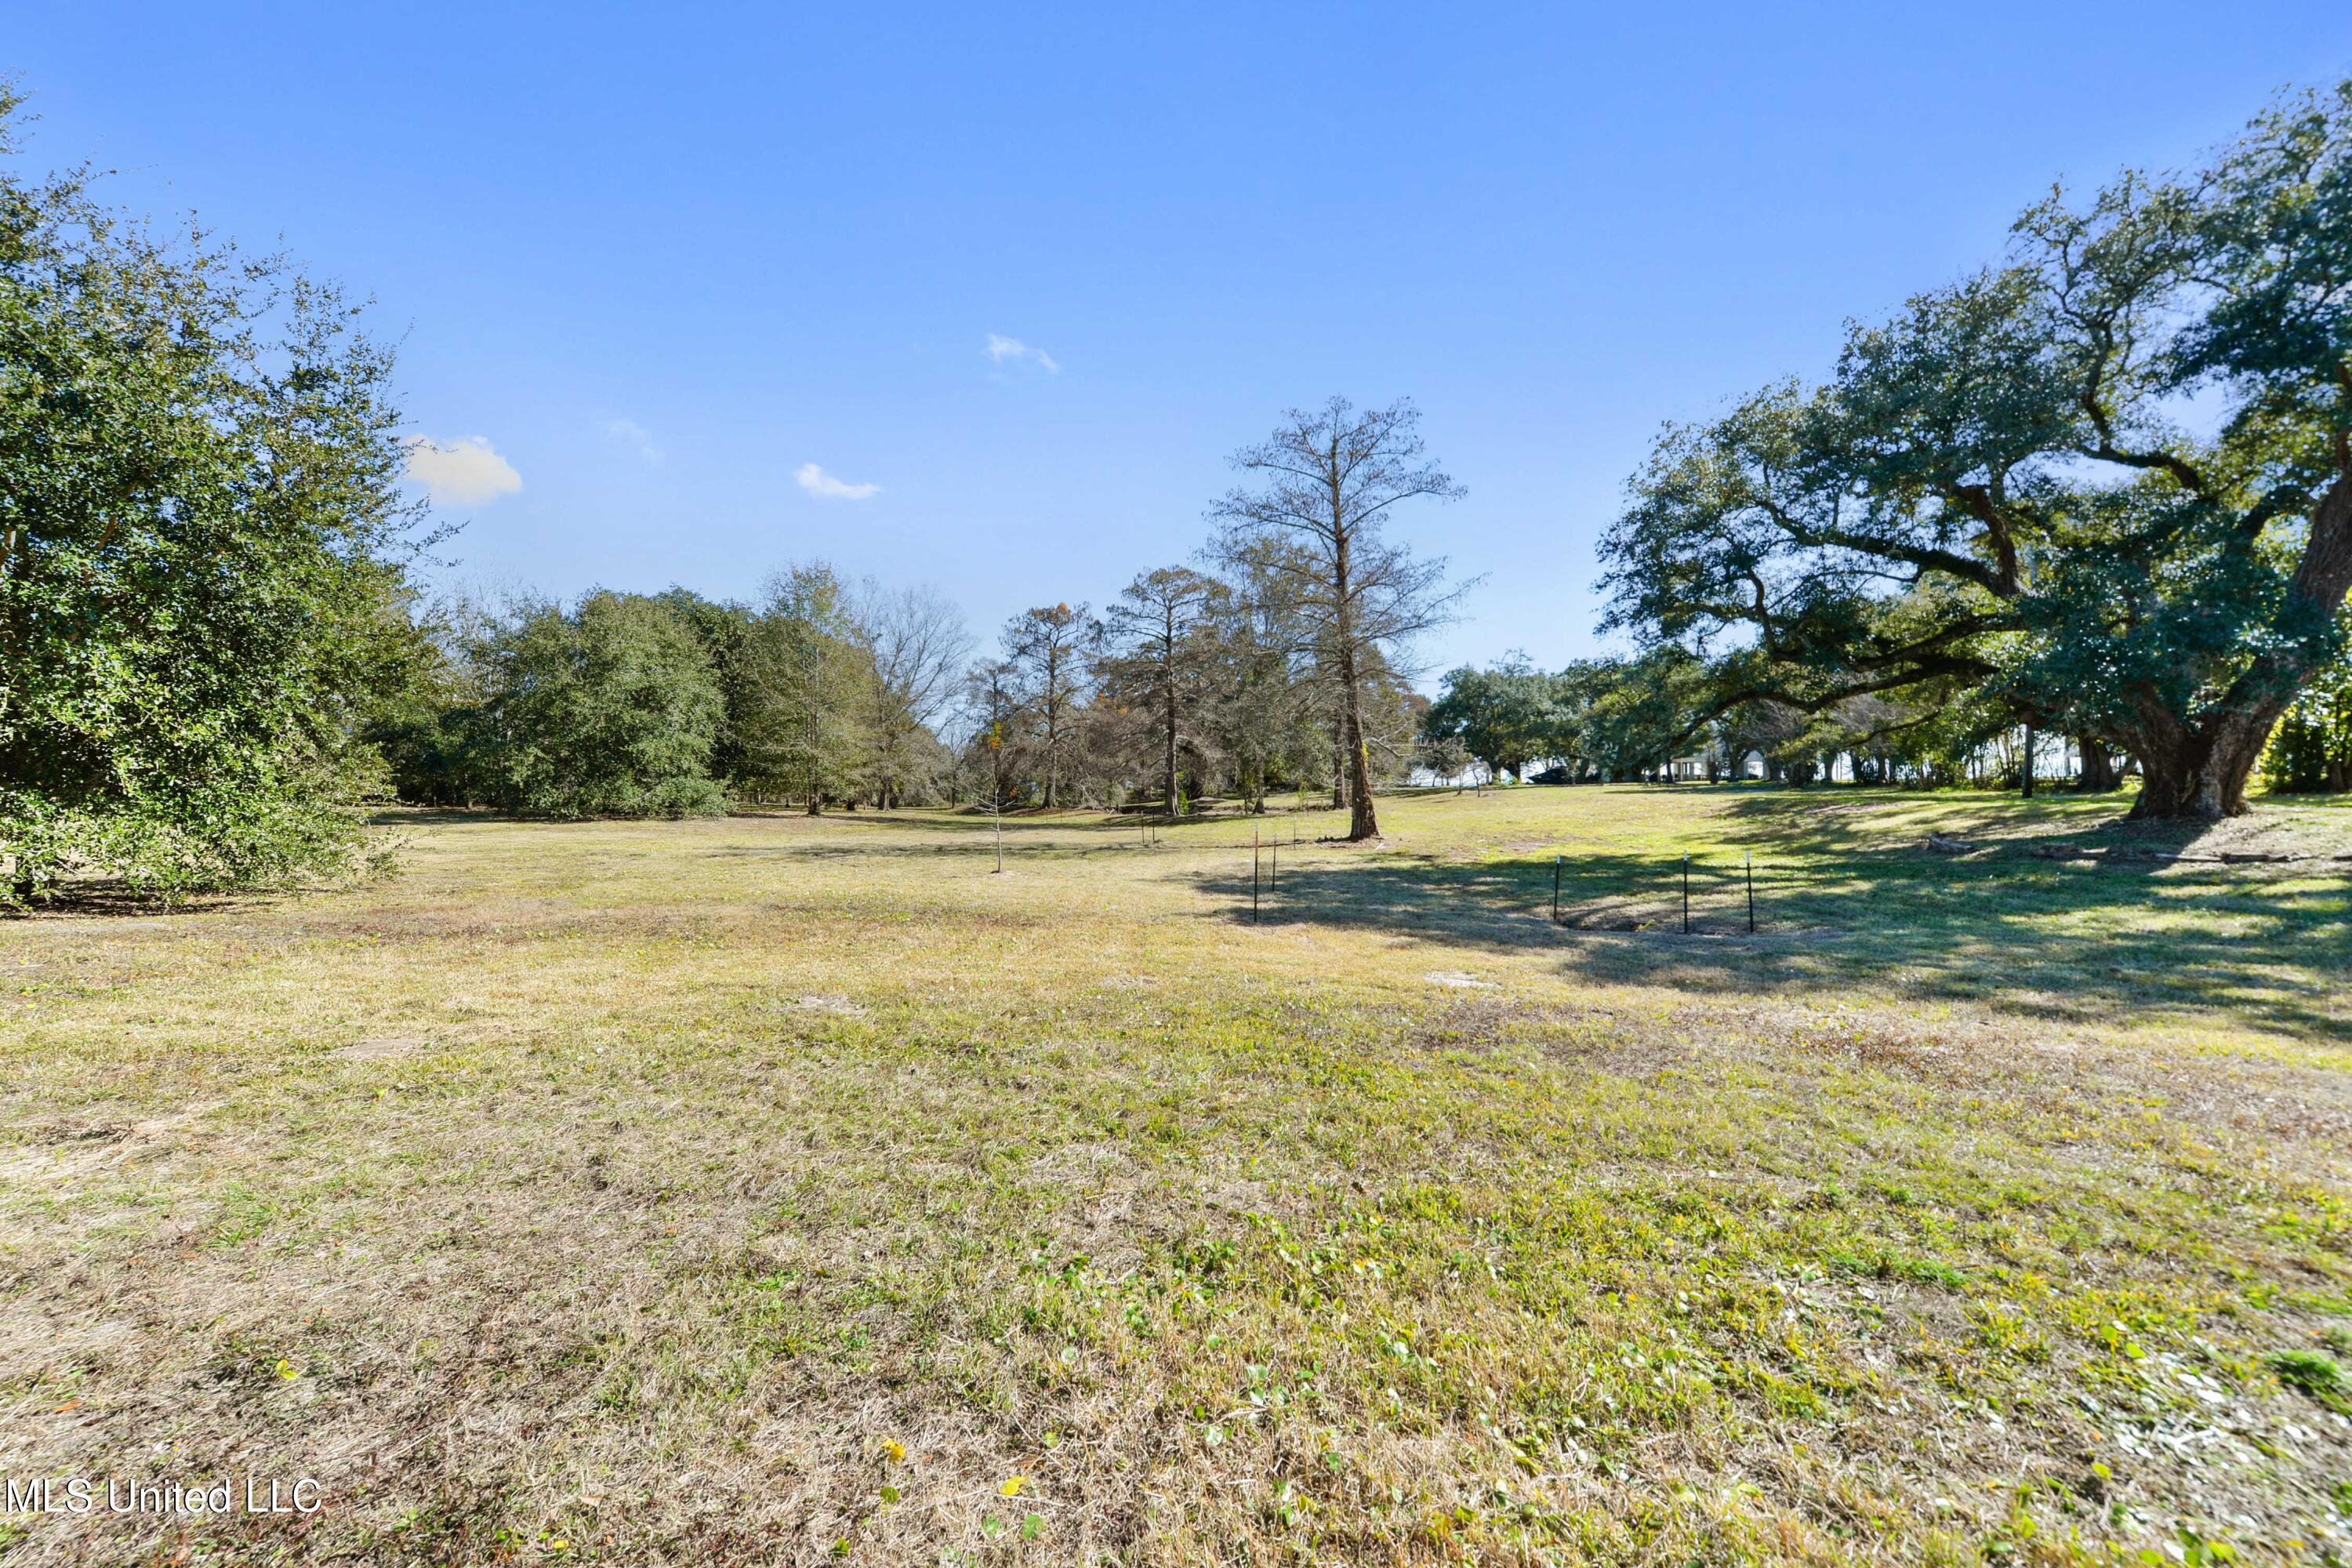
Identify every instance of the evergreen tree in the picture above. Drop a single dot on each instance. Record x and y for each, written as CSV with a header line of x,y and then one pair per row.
x,y
202,539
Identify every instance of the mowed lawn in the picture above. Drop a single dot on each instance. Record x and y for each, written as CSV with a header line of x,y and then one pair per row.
x,y
787,1190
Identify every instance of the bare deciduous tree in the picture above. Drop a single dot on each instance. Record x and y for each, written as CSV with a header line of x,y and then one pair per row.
x,y
1157,630
992,714
1330,478
916,643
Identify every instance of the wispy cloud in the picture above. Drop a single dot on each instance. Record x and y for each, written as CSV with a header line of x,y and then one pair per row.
x,y
467,472
817,483
1003,350
633,436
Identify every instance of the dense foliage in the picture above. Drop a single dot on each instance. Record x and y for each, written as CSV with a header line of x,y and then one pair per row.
x,y
200,536
612,708
671,705
2007,485
2312,748
1504,717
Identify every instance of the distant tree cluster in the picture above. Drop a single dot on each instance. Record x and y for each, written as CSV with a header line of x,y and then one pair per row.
x,y
1640,717
1596,721
1275,669
673,705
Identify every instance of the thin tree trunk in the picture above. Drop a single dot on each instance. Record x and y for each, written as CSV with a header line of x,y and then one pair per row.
x,y
1362,822
1170,736
1052,724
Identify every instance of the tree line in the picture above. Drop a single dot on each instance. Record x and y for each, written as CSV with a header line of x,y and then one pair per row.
x,y
673,704
214,640
2103,489
1268,665
1634,718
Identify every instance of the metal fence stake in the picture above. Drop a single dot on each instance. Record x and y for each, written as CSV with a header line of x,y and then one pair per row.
x,y
1686,895
1751,895
1254,859
1557,862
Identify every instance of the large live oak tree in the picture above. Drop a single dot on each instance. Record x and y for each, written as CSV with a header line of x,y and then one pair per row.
x,y
2109,481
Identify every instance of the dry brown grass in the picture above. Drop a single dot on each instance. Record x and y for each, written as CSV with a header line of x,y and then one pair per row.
x,y
764,1190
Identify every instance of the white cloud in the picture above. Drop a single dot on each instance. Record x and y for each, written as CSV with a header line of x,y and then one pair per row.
x,y
1001,348
628,433
817,483
467,472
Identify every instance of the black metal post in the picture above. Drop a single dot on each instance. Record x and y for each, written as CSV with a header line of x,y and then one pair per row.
x,y
1557,861
1254,858
1686,895
1751,895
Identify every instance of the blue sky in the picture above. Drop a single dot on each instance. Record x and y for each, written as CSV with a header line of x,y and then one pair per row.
x,y
660,261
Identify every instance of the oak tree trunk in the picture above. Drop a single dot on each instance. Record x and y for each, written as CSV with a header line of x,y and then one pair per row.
x,y
2200,772
2201,776
2098,775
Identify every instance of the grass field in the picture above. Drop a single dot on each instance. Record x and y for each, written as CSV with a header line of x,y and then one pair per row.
x,y
787,1190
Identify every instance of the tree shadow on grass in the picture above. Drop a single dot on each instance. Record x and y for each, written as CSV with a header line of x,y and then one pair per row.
x,y
89,901
1033,822
2075,940
1031,838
